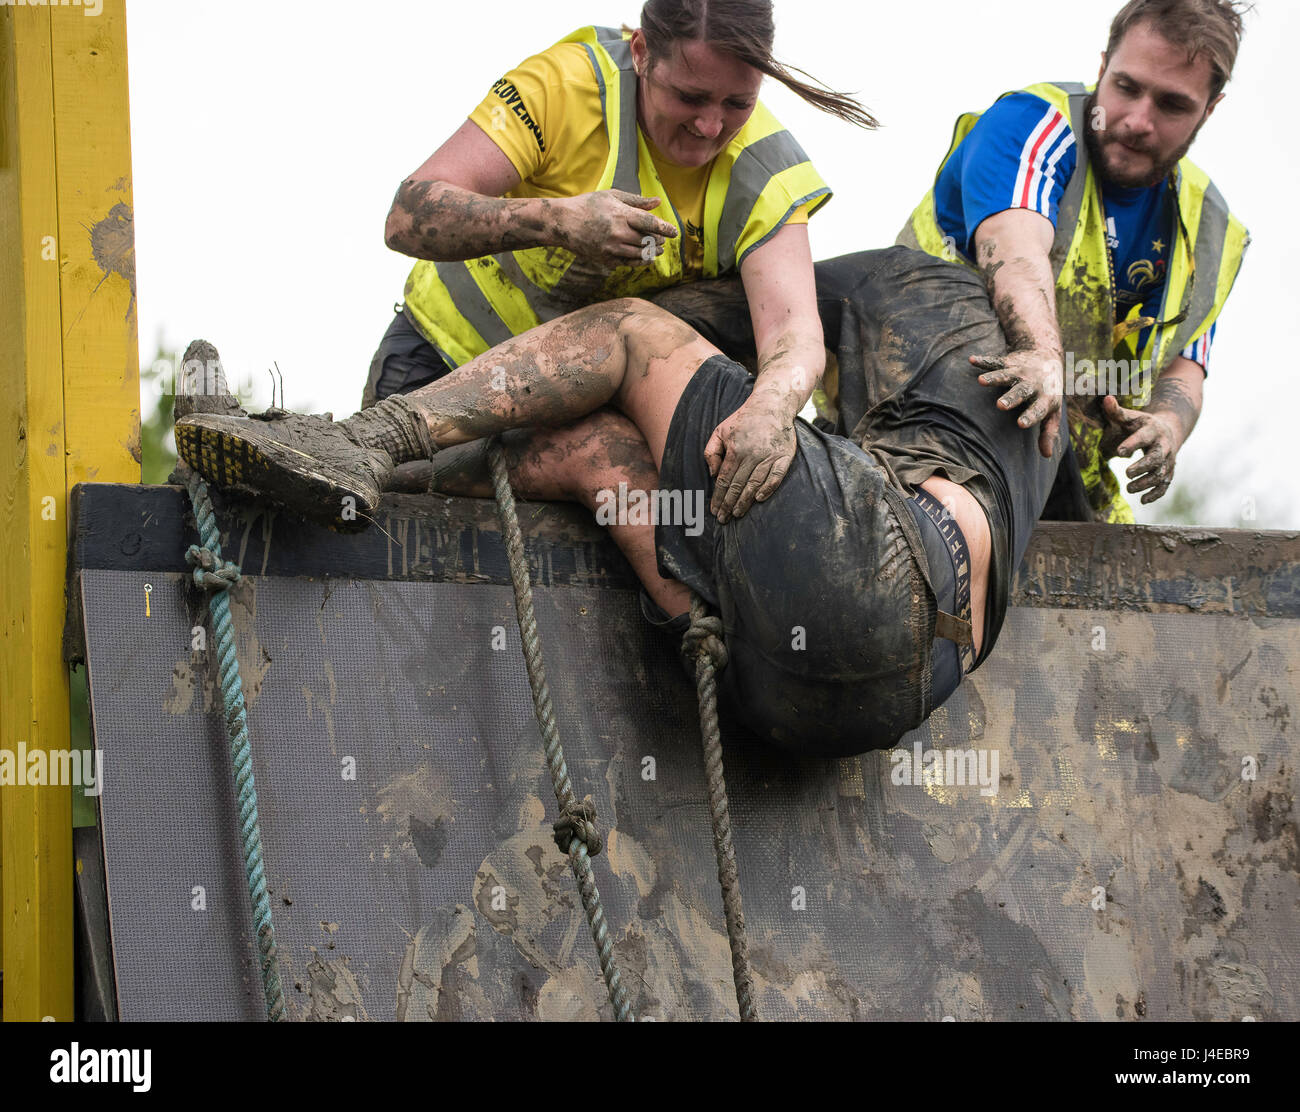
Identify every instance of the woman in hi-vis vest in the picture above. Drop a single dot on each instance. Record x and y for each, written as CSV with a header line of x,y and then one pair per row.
x,y
612,164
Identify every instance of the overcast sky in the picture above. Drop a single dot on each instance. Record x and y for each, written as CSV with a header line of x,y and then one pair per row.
x,y
268,140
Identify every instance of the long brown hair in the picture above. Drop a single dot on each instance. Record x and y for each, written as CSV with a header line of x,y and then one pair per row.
x,y
743,29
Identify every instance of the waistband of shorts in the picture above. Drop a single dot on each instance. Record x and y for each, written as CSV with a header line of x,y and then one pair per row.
x,y
954,543
898,502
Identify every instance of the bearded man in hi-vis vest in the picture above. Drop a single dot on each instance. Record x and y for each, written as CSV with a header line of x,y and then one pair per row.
x,y
1109,260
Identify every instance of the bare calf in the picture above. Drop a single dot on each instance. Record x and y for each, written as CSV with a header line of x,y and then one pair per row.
x,y
581,462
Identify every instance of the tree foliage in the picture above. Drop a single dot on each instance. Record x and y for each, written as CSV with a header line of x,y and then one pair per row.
x,y
157,444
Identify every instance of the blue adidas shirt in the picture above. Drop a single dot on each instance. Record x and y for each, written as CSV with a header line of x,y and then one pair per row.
x,y
1021,155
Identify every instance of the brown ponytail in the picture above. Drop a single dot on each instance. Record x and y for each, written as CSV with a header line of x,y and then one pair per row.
x,y
743,29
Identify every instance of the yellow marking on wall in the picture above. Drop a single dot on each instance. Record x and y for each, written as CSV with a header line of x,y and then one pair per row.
x,y
851,784
1104,735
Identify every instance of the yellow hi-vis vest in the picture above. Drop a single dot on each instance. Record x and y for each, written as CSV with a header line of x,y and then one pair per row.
x,y
465,308
1210,244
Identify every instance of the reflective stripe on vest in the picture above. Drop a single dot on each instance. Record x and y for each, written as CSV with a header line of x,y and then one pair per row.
x,y
621,172
1196,285
463,308
775,156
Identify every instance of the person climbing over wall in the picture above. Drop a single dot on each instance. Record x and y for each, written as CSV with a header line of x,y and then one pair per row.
x,y
858,579
614,163
1108,253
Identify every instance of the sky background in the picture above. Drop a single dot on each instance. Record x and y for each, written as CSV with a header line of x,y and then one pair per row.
x,y
269,138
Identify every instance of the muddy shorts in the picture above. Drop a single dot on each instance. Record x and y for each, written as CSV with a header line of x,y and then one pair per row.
x,y
404,361
828,615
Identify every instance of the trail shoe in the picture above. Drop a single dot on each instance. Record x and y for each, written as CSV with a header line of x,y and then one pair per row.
x,y
305,463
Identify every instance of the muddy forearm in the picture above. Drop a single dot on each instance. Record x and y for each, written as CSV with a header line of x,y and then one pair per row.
x,y
442,222
791,370
1012,253
1178,394
1021,291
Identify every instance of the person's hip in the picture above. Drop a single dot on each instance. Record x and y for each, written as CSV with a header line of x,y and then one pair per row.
x,y
403,362
823,588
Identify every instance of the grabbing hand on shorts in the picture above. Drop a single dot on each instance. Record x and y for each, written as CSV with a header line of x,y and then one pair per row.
x,y
748,456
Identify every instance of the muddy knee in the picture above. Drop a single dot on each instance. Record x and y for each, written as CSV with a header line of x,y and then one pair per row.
x,y
571,461
602,448
466,469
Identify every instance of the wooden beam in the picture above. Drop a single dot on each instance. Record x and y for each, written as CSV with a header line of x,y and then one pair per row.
x,y
69,412
92,137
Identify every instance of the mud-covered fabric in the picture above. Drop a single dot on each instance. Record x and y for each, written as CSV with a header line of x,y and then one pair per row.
x,y
908,325
403,362
902,326
827,615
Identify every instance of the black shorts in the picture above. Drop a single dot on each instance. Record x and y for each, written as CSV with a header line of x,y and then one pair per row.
x,y
902,326
823,591
404,361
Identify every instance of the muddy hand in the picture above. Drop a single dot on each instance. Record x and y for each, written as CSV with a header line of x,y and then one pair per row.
x,y
749,454
1034,377
1132,430
614,228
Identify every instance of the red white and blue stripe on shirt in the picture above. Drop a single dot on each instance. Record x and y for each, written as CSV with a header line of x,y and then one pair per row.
x,y
1040,158
1199,352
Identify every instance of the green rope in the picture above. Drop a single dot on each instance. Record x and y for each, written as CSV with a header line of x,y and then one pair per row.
x,y
704,641
213,574
575,830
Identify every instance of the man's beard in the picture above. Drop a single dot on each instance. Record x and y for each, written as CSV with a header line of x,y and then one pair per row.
x,y
1159,172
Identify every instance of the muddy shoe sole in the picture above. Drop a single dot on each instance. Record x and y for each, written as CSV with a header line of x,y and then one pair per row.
x,y
241,455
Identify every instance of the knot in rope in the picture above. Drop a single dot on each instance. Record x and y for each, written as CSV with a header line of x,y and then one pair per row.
x,y
211,572
578,820
704,636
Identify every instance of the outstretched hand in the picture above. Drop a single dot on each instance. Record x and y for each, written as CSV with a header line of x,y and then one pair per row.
x,y
749,454
1154,434
1035,377
614,228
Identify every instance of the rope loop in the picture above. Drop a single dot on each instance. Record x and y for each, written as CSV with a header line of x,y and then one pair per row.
x,y
578,820
211,572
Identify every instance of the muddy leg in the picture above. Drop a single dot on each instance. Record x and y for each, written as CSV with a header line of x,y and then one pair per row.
x,y
628,353
574,463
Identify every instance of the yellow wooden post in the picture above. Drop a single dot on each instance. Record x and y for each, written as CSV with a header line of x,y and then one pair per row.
x,y
69,413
